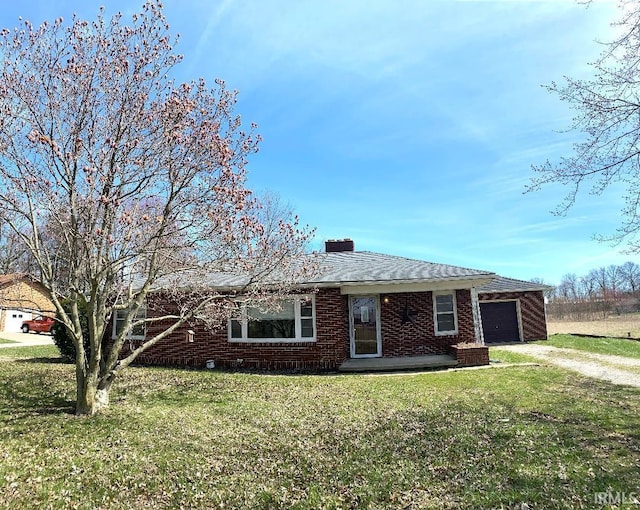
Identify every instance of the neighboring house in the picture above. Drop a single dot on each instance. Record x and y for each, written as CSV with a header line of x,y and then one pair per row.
x,y
22,298
367,311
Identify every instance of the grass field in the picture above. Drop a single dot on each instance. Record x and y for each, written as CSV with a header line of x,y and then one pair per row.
x,y
4,341
613,346
614,326
33,351
494,438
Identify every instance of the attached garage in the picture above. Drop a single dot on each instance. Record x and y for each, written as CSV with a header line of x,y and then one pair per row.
x,y
512,311
500,321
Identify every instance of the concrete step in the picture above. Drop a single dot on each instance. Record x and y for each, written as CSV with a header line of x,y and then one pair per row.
x,y
400,363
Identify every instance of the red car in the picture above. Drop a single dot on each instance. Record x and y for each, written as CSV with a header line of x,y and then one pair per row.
x,y
39,325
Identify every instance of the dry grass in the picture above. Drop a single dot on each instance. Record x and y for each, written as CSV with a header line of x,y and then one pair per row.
x,y
615,326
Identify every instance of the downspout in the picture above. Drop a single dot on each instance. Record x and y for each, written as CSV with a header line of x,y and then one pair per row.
x,y
477,319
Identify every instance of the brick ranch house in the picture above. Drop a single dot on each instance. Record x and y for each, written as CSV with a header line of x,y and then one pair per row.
x,y
369,311
22,298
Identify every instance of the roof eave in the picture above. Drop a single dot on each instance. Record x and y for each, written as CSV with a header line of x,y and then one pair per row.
x,y
515,290
416,285
477,277
453,282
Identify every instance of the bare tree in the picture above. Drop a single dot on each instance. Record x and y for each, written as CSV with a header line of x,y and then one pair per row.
x,y
601,281
122,183
630,274
613,288
568,288
606,116
614,279
14,255
588,286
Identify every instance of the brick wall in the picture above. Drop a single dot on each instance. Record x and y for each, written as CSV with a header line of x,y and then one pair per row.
x,y
401,337
470,355
24,294
328,352
532,312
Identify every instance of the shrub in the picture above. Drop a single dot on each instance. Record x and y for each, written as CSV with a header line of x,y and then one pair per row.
x,y
63,339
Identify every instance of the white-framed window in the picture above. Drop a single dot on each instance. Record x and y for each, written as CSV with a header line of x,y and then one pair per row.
x,y
137,332
293,321
444,313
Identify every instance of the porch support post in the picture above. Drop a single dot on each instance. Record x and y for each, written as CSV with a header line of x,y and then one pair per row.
x,y
477,319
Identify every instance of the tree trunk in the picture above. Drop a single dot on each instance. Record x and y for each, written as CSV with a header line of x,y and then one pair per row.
x,y
92,394
91,401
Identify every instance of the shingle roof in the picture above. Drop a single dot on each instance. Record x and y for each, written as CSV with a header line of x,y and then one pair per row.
x,y
357,267
12,278
501,284
368,267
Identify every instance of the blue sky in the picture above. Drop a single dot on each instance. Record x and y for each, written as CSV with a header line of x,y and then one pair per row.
x,y
408,125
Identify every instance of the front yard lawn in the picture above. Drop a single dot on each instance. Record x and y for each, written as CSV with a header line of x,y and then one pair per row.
x,y
31,351
498,355
614,346
493,438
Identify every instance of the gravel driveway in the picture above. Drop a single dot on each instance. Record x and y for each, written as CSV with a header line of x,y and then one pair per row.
x,y
615,369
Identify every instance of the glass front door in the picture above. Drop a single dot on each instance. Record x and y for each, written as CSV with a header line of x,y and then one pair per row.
x,y
365,330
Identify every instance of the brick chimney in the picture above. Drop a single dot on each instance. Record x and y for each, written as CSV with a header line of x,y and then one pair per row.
x,y
337,245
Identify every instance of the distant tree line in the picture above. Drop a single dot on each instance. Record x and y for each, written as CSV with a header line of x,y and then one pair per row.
x,y
614,289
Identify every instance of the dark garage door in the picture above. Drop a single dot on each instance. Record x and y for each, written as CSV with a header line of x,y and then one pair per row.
x,y
500,322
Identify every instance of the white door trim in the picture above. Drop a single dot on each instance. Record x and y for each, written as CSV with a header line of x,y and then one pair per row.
x,y
352,345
